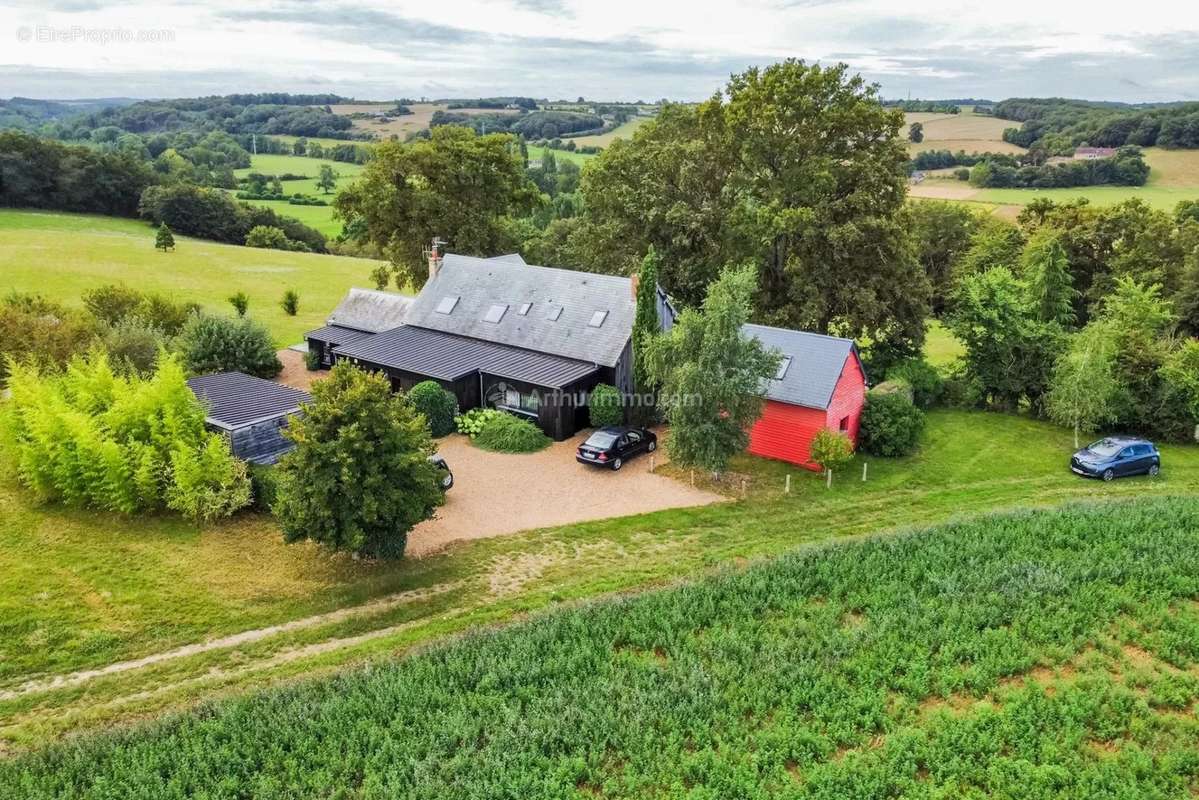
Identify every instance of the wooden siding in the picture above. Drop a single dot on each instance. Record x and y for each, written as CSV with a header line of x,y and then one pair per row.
x,y
848,398
785,432
262,443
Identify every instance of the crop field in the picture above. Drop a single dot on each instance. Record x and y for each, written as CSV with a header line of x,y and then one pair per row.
x,y
1035,655
965,131
319,217
63,255
625,131
104,619
418,120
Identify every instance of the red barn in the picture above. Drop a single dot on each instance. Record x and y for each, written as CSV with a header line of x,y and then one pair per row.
x,y
820,384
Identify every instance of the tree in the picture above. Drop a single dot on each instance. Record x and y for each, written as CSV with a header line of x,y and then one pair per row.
x,y
646,326
1084,383
916,133
267,236
1047,273
455,185
164,240
290,302
212,343
891,424
711,376
438,405
299,147
327,180
359,477
831,450
941,233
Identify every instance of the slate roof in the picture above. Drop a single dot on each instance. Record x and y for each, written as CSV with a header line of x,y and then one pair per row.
x,y
447,357
481,283
335,334
816,364
371,310
234,400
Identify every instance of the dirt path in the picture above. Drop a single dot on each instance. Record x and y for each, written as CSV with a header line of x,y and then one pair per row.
x,y
500,493
233,640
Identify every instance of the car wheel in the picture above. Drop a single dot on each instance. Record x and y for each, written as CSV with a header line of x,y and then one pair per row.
x,y
652,447
1108,474
617,464
1153,470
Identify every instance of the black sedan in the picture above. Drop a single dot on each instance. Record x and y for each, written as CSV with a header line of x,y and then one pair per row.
x,y
447,476
1116,456
614,445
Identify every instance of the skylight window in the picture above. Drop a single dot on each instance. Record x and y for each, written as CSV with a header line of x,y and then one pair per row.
x,y
553,314
597,319
524,309
782,370
447,304
495,314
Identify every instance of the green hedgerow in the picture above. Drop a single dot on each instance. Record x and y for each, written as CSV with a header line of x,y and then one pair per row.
x,y
604,406
439,406
891,425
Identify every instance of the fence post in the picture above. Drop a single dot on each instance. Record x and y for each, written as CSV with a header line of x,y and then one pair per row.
x,y
692,479
787,485
829,482
651,462
864,465
744,483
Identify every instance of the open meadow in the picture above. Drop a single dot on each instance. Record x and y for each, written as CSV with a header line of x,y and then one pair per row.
x,y
965,131
319,217
106,619
62,255
624,131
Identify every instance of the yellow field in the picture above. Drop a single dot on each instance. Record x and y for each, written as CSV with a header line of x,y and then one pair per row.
x,y
968,145
418,120
625,131
973,133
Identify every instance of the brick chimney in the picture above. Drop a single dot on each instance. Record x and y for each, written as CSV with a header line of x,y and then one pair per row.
x,y
633,286
435,253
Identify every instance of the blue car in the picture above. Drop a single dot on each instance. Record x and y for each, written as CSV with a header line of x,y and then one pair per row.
x,y
1116,456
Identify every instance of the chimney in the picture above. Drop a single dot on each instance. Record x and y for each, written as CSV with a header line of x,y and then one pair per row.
x,y
636,282
434,254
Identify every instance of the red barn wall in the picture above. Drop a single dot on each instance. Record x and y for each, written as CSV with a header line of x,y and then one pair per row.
x,y
785,431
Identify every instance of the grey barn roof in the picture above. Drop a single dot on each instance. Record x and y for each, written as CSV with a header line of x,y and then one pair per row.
x,y
816,364
370,310
447,357
234,400
335,334
482,283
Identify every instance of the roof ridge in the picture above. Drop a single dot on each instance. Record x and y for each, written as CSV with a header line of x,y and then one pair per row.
x,y
564,270
796,330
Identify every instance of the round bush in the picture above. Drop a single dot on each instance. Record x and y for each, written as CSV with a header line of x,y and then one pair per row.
x,y
264,484
891,425
504,433
604,406
439,406
924,379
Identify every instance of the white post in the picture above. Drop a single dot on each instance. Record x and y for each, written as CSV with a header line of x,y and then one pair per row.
x,y
828,483
864,465
787,485
744,483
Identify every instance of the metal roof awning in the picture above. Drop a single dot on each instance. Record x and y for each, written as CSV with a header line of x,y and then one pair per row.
x,y
235,400
336,334
448,357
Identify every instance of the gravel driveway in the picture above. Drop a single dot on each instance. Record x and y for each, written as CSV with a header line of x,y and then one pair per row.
x,y
499,493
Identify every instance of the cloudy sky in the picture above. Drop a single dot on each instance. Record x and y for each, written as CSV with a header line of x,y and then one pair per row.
x,y
609,49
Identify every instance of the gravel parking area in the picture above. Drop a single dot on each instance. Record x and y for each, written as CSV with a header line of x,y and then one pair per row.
x,y
499,493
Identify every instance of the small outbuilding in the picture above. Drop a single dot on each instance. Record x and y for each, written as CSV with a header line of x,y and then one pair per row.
x,y
251,411
361,313
820,383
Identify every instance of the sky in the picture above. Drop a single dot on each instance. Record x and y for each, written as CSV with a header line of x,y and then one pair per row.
x,y
599,49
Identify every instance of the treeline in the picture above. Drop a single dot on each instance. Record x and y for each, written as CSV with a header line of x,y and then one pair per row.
x,y
924,106
237,114
527,103
534,125
1126,168
25,113
42,173
1058,125
943,159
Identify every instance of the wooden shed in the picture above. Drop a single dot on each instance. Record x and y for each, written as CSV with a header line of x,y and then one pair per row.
x,y
251,411
820,384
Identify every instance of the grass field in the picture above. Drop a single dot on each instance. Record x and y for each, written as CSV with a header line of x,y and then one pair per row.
x,y
63,255
319,217
1036,655
80,591
625,131
536,153
940,346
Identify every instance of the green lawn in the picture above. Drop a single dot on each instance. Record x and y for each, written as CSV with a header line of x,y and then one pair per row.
x,y
1163,197
940,346
536,153
624,131
82,590
62,255
319,217
1031,655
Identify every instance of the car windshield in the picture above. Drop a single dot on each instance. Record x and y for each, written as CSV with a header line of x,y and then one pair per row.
x,y
1105,447
601,439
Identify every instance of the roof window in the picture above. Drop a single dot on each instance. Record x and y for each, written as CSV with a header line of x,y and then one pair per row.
x,y
524,309
553,314
597,319
495,314
782,370
447,304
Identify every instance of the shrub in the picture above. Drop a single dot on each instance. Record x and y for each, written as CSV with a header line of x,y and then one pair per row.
x,y
116,302
962,173
222,344
604,406
891,425
290,302
505,433
831,449
471,423
267,236
240,303
133,345
264,487
34,329
312,360
359,477
439,406
207,480
926,382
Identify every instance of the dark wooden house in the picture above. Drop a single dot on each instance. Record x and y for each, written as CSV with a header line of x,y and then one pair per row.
x,y
361,313
251,411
